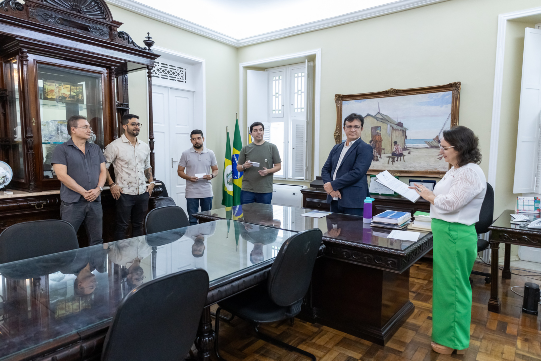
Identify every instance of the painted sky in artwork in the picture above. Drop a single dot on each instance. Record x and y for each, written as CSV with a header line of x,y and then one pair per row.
x,y
423,115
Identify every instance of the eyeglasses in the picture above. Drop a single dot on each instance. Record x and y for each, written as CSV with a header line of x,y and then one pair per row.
x,y
136,125
446,148
86,127
356,127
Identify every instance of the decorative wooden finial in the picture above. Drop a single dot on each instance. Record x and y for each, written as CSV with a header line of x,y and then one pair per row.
x,y
148,41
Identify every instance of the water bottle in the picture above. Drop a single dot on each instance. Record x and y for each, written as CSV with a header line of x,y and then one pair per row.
x,y
367,211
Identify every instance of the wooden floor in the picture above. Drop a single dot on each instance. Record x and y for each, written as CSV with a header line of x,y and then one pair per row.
x,y
510,335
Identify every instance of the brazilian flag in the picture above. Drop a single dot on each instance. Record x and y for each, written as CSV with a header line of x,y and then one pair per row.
x,y
237,176
227,198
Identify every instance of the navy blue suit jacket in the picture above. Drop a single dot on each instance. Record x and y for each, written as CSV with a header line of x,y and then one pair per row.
x,y
351,176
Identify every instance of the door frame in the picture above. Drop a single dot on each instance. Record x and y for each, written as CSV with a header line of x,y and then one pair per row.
x,y
198,73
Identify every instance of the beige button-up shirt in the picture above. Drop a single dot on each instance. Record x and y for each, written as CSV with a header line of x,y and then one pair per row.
x,y
130,163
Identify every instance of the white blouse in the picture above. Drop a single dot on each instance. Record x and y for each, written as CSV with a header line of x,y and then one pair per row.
x,y
459,195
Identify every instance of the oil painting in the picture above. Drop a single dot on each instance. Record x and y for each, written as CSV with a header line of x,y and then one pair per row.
x,y
404,127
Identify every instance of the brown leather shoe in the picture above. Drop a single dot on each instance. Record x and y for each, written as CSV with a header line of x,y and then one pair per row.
x,y
444,350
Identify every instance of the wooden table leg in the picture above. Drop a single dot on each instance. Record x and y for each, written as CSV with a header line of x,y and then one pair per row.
x,y
494,304
506,273
205,336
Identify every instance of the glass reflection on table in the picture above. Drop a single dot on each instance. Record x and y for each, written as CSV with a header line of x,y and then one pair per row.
x,y
53,296
337,226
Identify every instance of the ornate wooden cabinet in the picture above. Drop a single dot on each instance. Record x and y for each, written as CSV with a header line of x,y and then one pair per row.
x,y
60,58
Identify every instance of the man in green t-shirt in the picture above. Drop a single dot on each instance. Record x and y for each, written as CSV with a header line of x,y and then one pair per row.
x,y
258,160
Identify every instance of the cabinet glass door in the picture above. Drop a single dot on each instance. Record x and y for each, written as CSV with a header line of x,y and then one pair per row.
x,y
64,93
14,131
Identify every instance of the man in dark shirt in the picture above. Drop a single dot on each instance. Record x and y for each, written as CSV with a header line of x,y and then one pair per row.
x,y
80,166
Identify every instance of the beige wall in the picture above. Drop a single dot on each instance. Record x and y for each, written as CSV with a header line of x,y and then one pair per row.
x,y
436,44
221,68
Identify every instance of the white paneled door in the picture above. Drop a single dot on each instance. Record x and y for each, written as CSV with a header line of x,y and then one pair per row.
x,y
173,122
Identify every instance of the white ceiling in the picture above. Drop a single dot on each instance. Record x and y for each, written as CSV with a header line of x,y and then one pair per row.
x,y
240,19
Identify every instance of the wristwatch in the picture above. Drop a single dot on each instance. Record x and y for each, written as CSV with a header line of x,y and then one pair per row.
x,y
101,189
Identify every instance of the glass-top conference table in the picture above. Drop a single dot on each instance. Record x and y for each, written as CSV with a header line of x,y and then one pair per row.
x,y
66,301
360,284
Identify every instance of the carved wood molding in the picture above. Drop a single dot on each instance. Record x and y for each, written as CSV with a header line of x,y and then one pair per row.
x,y
357,256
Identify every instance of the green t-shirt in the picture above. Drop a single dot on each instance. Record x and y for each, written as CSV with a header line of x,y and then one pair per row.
x,y
267,156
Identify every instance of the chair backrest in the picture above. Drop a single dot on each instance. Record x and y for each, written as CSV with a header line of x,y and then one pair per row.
x,y
291,272
37,238
164,202
165,219
486,215
158,320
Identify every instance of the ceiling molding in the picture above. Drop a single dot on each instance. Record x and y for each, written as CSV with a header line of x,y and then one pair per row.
x,y
376,11
164,17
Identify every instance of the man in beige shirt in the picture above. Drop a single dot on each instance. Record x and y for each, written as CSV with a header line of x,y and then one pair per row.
x,y
131,160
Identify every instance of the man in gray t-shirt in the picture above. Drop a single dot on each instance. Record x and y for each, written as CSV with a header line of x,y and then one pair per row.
x,y
198,166
258,160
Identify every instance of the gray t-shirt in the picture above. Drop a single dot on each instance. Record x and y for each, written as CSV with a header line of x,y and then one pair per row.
x,y
198,163
267,156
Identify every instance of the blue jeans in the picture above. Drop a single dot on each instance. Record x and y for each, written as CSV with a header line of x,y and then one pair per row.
x,y
193,207
335,208
251,197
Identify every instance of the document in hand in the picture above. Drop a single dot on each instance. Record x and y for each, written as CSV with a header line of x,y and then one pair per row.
x,y
399,187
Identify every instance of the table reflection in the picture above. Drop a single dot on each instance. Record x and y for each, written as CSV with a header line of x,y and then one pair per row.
x,y
338,226
53,296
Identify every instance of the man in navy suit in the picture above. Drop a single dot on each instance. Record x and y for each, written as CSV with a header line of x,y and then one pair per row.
x,y
344,172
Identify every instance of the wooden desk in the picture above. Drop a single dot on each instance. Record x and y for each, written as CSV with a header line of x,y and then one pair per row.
x,y
502,231
361,284
316,198
42,316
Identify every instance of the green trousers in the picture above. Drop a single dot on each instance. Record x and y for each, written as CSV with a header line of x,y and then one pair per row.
x,y
455,250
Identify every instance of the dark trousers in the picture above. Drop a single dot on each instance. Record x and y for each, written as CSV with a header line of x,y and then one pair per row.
x,y
134,208
335,208
193,207
251,197
89,213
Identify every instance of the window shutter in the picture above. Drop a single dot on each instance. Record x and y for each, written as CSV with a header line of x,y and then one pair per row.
x,y
529,114
267,134
309,117
277,82
298,149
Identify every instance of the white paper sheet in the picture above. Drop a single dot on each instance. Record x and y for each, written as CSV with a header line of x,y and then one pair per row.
x,y
316,214
255,164
404,235
200,175
399,187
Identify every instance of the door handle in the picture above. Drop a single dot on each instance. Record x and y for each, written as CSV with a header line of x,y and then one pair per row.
x,y
172,161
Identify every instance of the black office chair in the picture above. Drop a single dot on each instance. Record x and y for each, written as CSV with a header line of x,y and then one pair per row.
x,y
486,218
158,320
165,219
37,238
281,297
162,201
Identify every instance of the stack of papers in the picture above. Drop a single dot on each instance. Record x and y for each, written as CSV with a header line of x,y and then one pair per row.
x,y
404,235
422,222
399,187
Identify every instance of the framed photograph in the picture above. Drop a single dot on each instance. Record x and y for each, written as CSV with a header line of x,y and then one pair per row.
x,y
49,92
377,188
430,184
403,126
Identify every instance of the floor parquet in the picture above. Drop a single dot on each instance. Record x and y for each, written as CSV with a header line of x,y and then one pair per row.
x,y
510,335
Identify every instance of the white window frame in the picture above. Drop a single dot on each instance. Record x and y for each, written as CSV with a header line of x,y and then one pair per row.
x,y
291,120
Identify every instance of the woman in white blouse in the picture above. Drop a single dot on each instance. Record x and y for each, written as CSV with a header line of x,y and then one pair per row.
x,y
455,206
